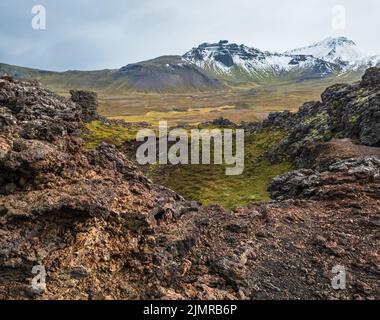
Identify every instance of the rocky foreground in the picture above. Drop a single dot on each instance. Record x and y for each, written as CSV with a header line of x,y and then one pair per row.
x,y
104,231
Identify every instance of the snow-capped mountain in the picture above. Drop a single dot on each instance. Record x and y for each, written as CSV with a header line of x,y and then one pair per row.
x,y
335,50
332,56
240,61
341,51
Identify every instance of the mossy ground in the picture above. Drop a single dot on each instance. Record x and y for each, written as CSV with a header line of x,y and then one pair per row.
x,y
98,131
208,183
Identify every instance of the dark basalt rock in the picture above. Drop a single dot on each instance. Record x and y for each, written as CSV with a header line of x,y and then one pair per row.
x,y
88,101
371,78
225,58
340,177
222,122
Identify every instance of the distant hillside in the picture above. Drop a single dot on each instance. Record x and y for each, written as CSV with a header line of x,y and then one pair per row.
x,y
166,73
163,74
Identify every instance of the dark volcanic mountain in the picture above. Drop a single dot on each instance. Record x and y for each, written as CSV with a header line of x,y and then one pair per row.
x,y
167,73
170,73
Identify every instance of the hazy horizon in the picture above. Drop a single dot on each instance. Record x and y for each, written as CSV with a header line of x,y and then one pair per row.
x,y
82,35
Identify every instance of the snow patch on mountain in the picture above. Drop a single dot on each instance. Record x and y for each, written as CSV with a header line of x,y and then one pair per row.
x,y
341,51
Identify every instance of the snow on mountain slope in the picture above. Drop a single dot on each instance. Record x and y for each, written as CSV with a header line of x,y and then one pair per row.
x,y
332,49
373,61
332,56
341,50
235,60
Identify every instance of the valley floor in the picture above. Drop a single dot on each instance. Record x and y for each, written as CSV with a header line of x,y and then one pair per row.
x,y
244,103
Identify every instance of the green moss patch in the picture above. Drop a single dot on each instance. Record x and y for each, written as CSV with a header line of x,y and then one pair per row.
x,y
209,184
98,132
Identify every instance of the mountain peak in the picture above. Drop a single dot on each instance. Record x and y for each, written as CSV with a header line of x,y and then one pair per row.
x,y
223,53
337,41
340,50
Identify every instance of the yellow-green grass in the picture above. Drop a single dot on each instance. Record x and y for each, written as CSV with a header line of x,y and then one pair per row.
x,y
244,103
174,117
98,132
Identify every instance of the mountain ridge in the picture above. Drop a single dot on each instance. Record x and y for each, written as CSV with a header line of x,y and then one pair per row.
x,y
340,50
329,57
228,59
212,66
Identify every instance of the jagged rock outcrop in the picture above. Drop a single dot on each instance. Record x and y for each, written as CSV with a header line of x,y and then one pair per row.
x,y
371,78
48,181
346,111
88,103
351,178
221,122
103,231
320,156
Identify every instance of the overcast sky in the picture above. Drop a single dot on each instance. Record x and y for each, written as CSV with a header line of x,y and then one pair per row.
x,y
98,34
